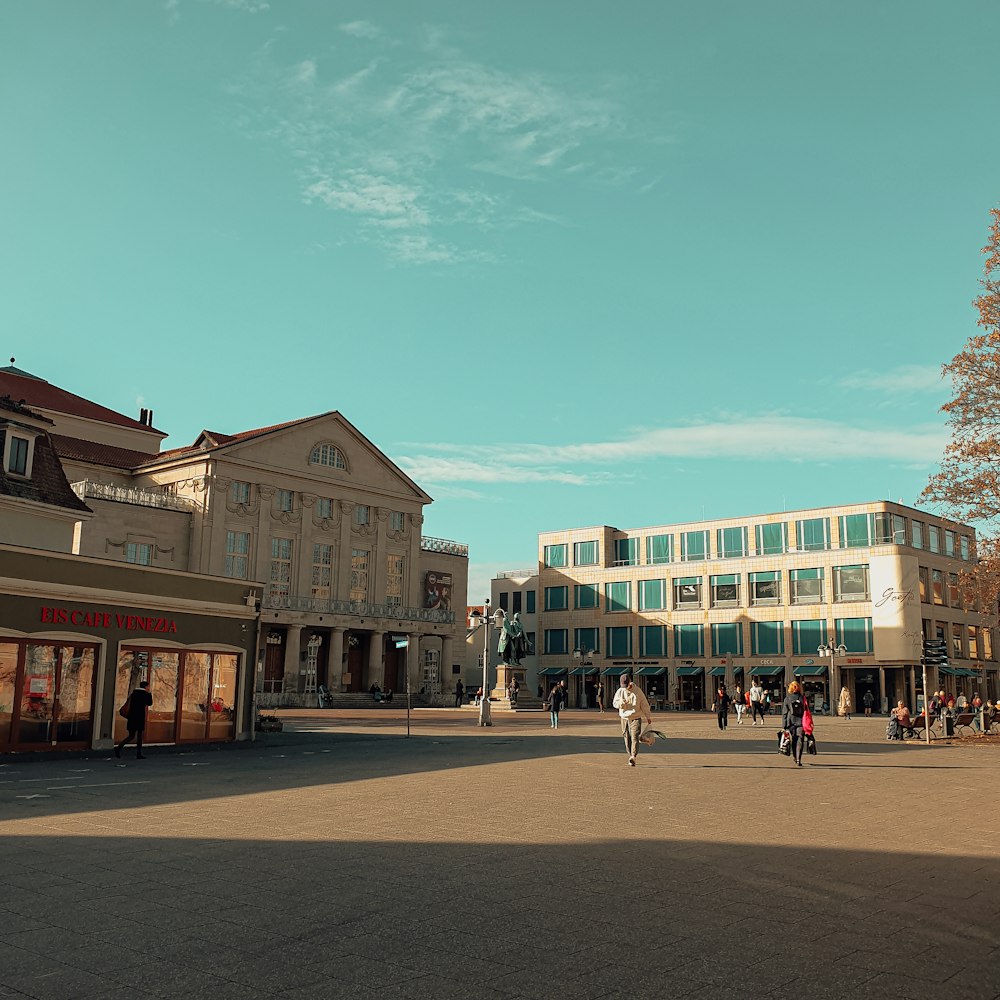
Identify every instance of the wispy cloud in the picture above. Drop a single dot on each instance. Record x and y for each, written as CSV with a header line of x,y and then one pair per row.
x,y
361,29
904,379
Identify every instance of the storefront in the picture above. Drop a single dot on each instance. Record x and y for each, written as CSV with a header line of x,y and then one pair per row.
x,y
653,681
691,687
815,685
87,632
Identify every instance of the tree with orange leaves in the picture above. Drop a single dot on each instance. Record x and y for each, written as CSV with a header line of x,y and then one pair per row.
x,y
968,486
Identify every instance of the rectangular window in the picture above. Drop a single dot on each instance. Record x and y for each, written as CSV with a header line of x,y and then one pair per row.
x,y
771,539
963,547
240,493
957,653
17,460
898,529
813,534
619,641
531,643
139,552
284,501
694,546
359,575
855,634
881,528
556,640
652,640
854,531
554,555
659,549
949,543
394,580
923,575
556,598
727,639
529,602
516,602
585,595
689,640
988,644
807,637
238,555
973,642
850,583
765,588
585,554
324,508
280,581
618,596
652,595
954,595
687,592
322,571
768,638
933,538
806,586
626,551
396,520
937,587
731,543
504,600
585,640
362,513
725,590
917,534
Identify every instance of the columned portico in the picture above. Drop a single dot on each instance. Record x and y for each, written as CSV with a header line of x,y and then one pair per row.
x,y
293,647
335,659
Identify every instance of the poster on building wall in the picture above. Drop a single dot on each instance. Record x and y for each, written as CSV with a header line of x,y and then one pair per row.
x,y
895,592
437,590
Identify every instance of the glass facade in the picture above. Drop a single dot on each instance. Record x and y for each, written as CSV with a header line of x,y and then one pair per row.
x,y
554,555
585,595
694,546
585,554
727,639
556,598
771,539
652,595
659,549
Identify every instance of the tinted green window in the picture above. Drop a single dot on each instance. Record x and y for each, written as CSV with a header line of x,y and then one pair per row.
x,y
659,549
626,551
555,555
556,640
617,596
687,592
585,639
585,595
964,547
806,585
619,641
813,533
727,639
652,595
770,539
694,545
768,638
765,588
855,634
689,640
529,602
917,534
725,589
585,554
653,640
854,531
807,637
556,598
731,542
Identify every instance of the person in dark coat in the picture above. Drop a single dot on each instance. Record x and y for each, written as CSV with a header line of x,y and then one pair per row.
x,y
459,694
792,710
555,701
138,703
722,702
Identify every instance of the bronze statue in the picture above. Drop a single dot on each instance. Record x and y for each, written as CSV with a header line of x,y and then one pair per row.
x,y
514,645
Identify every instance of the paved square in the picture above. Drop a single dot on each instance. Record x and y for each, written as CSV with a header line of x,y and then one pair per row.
x,y
339,859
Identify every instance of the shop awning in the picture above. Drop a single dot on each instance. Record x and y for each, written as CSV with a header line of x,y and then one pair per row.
x,y
689,671
816,670
955,672
583,671
963,672
651,671
718,671
551,671
615,671
766,671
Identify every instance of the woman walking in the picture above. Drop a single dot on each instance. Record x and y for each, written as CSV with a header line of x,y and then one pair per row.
x,y
740,704
600,695
844,704
793,708
722,701
555,703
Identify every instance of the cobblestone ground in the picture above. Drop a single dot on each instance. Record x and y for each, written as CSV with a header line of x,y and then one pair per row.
x,y
341,859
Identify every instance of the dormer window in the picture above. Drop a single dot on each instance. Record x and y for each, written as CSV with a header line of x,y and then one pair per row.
x,y
18,453
328,455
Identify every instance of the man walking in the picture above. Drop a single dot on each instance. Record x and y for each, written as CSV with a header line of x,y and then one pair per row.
x,y
138,702
632,709
756,702
459,693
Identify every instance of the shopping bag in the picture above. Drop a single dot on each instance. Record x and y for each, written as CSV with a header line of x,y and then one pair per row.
x,y
811,744
123,711
807,721
785,742
648,735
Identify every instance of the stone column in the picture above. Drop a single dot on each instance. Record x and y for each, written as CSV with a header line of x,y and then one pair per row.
x,y
293,646
413,662
376,652
877,707
446,655
335,660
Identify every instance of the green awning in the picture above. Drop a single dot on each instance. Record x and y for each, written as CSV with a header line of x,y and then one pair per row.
x,y
689,671
963,672
766,671
651,671
949,671
811,671
551,671
718,671
583,671
615,671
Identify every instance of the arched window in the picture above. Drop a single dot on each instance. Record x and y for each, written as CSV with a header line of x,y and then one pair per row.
x,y
327,454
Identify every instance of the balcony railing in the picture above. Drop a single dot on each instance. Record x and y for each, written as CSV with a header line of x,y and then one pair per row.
x,y
444,545
516,574
130,494
361,609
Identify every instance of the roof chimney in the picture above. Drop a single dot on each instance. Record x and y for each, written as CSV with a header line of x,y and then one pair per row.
x,y
143,413
149,418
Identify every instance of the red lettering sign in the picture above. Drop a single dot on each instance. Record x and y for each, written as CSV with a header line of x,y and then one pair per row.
x,y
855,659
51,615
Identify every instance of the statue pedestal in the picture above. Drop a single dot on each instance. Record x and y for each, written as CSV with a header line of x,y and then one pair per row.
x,y
505,673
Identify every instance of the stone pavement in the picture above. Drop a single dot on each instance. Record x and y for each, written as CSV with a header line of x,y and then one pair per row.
x,y
339,859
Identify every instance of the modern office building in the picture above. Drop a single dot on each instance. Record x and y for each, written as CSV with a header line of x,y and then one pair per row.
x,y
835,595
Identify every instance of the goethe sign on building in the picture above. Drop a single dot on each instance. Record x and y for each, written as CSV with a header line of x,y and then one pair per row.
x,y
895,589
54,615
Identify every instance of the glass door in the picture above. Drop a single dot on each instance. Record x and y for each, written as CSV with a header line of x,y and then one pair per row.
x,y
38,696
75,694
222,715
161,719
195,696
8,687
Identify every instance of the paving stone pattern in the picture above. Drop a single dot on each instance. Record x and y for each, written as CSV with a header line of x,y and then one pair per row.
x,y
340,859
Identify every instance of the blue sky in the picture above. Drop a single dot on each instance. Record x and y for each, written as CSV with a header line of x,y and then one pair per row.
x,y
565,263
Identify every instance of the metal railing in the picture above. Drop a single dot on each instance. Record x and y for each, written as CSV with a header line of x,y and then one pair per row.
x,y
445,545
513,574
361,609
130,494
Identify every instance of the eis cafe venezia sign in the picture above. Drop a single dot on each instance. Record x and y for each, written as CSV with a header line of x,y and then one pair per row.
x,y
147,624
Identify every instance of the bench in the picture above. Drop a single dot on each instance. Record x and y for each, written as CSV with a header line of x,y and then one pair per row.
x,y
964,721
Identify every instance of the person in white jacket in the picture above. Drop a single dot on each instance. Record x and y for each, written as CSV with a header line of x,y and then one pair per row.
x,y
632,709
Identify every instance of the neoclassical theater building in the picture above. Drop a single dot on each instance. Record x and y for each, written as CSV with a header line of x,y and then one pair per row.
x,y
321,527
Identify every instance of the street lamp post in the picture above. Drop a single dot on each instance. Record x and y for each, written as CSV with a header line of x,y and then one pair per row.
x,y
476,620
828,649
583,656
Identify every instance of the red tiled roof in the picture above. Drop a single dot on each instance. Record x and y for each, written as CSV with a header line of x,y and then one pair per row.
x,y
76,449
38,392
48,483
